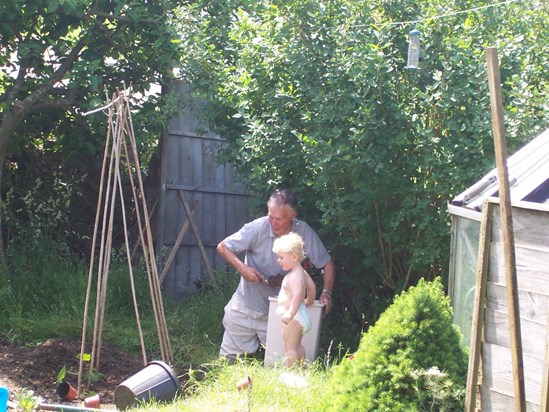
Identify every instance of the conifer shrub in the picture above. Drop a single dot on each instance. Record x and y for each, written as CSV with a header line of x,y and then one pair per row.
x,y
410,360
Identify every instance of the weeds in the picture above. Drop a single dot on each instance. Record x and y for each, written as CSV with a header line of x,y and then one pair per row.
x,y
435,390
27,401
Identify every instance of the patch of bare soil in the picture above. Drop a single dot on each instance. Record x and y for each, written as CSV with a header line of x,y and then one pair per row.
x,y
36,367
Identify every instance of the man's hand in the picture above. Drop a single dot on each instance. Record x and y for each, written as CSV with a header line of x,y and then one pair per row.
x,y
329,280
252,275
275,281
248,273
326,300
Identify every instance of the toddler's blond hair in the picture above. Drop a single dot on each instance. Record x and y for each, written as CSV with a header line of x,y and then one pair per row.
x,y
290,243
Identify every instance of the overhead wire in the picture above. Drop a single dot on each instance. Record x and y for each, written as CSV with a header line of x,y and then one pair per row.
x,y
440,16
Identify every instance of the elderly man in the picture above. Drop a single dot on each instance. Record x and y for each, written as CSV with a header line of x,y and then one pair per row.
x,y
246,314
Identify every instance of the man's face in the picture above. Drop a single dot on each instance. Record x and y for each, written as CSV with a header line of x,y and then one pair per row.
x,y
280,219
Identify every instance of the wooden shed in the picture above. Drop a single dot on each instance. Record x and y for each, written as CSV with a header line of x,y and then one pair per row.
x,y
200,203
473,243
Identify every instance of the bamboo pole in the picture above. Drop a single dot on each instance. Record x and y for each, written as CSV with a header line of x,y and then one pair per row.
x,y
106,246
130,268
92,259
148,265
498,127
156,293
102,248
103,283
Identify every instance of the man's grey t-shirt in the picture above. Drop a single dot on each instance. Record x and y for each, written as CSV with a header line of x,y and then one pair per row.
x,y
256,239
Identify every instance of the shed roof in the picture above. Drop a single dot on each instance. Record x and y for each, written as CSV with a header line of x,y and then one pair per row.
x,y
528,171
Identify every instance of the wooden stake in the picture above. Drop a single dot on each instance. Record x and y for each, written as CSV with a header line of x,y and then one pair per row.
x,y
199,241
177,243
544,403
479,308
498,127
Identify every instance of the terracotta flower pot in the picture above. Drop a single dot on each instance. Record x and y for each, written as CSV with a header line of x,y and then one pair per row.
x,y
66,392
244,383
92,401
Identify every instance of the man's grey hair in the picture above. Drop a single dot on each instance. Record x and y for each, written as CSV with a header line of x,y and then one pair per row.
x,y
281,197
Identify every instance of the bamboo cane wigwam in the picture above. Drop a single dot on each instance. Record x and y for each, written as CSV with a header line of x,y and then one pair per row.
x,y
120,150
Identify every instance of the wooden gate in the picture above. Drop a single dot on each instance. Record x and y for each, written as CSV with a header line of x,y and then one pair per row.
x,y
199,202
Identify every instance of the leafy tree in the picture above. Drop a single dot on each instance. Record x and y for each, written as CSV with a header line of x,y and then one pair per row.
x,y
315,95
58,60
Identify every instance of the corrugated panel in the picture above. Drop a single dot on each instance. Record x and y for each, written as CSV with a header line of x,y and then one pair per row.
x,y
528,171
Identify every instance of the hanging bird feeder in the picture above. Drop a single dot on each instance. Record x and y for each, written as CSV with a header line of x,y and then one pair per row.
x,y
413,50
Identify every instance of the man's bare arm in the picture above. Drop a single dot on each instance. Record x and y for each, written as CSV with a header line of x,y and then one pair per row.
x,y
248,273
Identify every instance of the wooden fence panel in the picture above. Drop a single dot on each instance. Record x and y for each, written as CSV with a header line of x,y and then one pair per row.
x,y
189,164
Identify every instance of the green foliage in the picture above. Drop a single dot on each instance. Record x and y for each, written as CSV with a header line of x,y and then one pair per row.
x,y
8,305
197,323
58,60
410,359
42,296
27,401
436,392
61,375
314,95
45,285
212,387
43,278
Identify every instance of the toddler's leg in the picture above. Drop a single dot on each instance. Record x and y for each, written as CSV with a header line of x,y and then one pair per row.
x,y
292,334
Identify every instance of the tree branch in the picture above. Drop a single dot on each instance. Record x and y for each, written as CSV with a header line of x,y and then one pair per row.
x,y
21,108
123,19
59,103
19,81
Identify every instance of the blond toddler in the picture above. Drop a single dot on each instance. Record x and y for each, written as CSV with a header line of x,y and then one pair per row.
x,y
296,293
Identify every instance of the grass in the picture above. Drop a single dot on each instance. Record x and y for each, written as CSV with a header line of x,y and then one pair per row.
x,y
213,388
38,298
42,296
35,299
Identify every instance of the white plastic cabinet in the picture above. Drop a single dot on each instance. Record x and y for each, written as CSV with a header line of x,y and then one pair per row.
x,y
274,352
